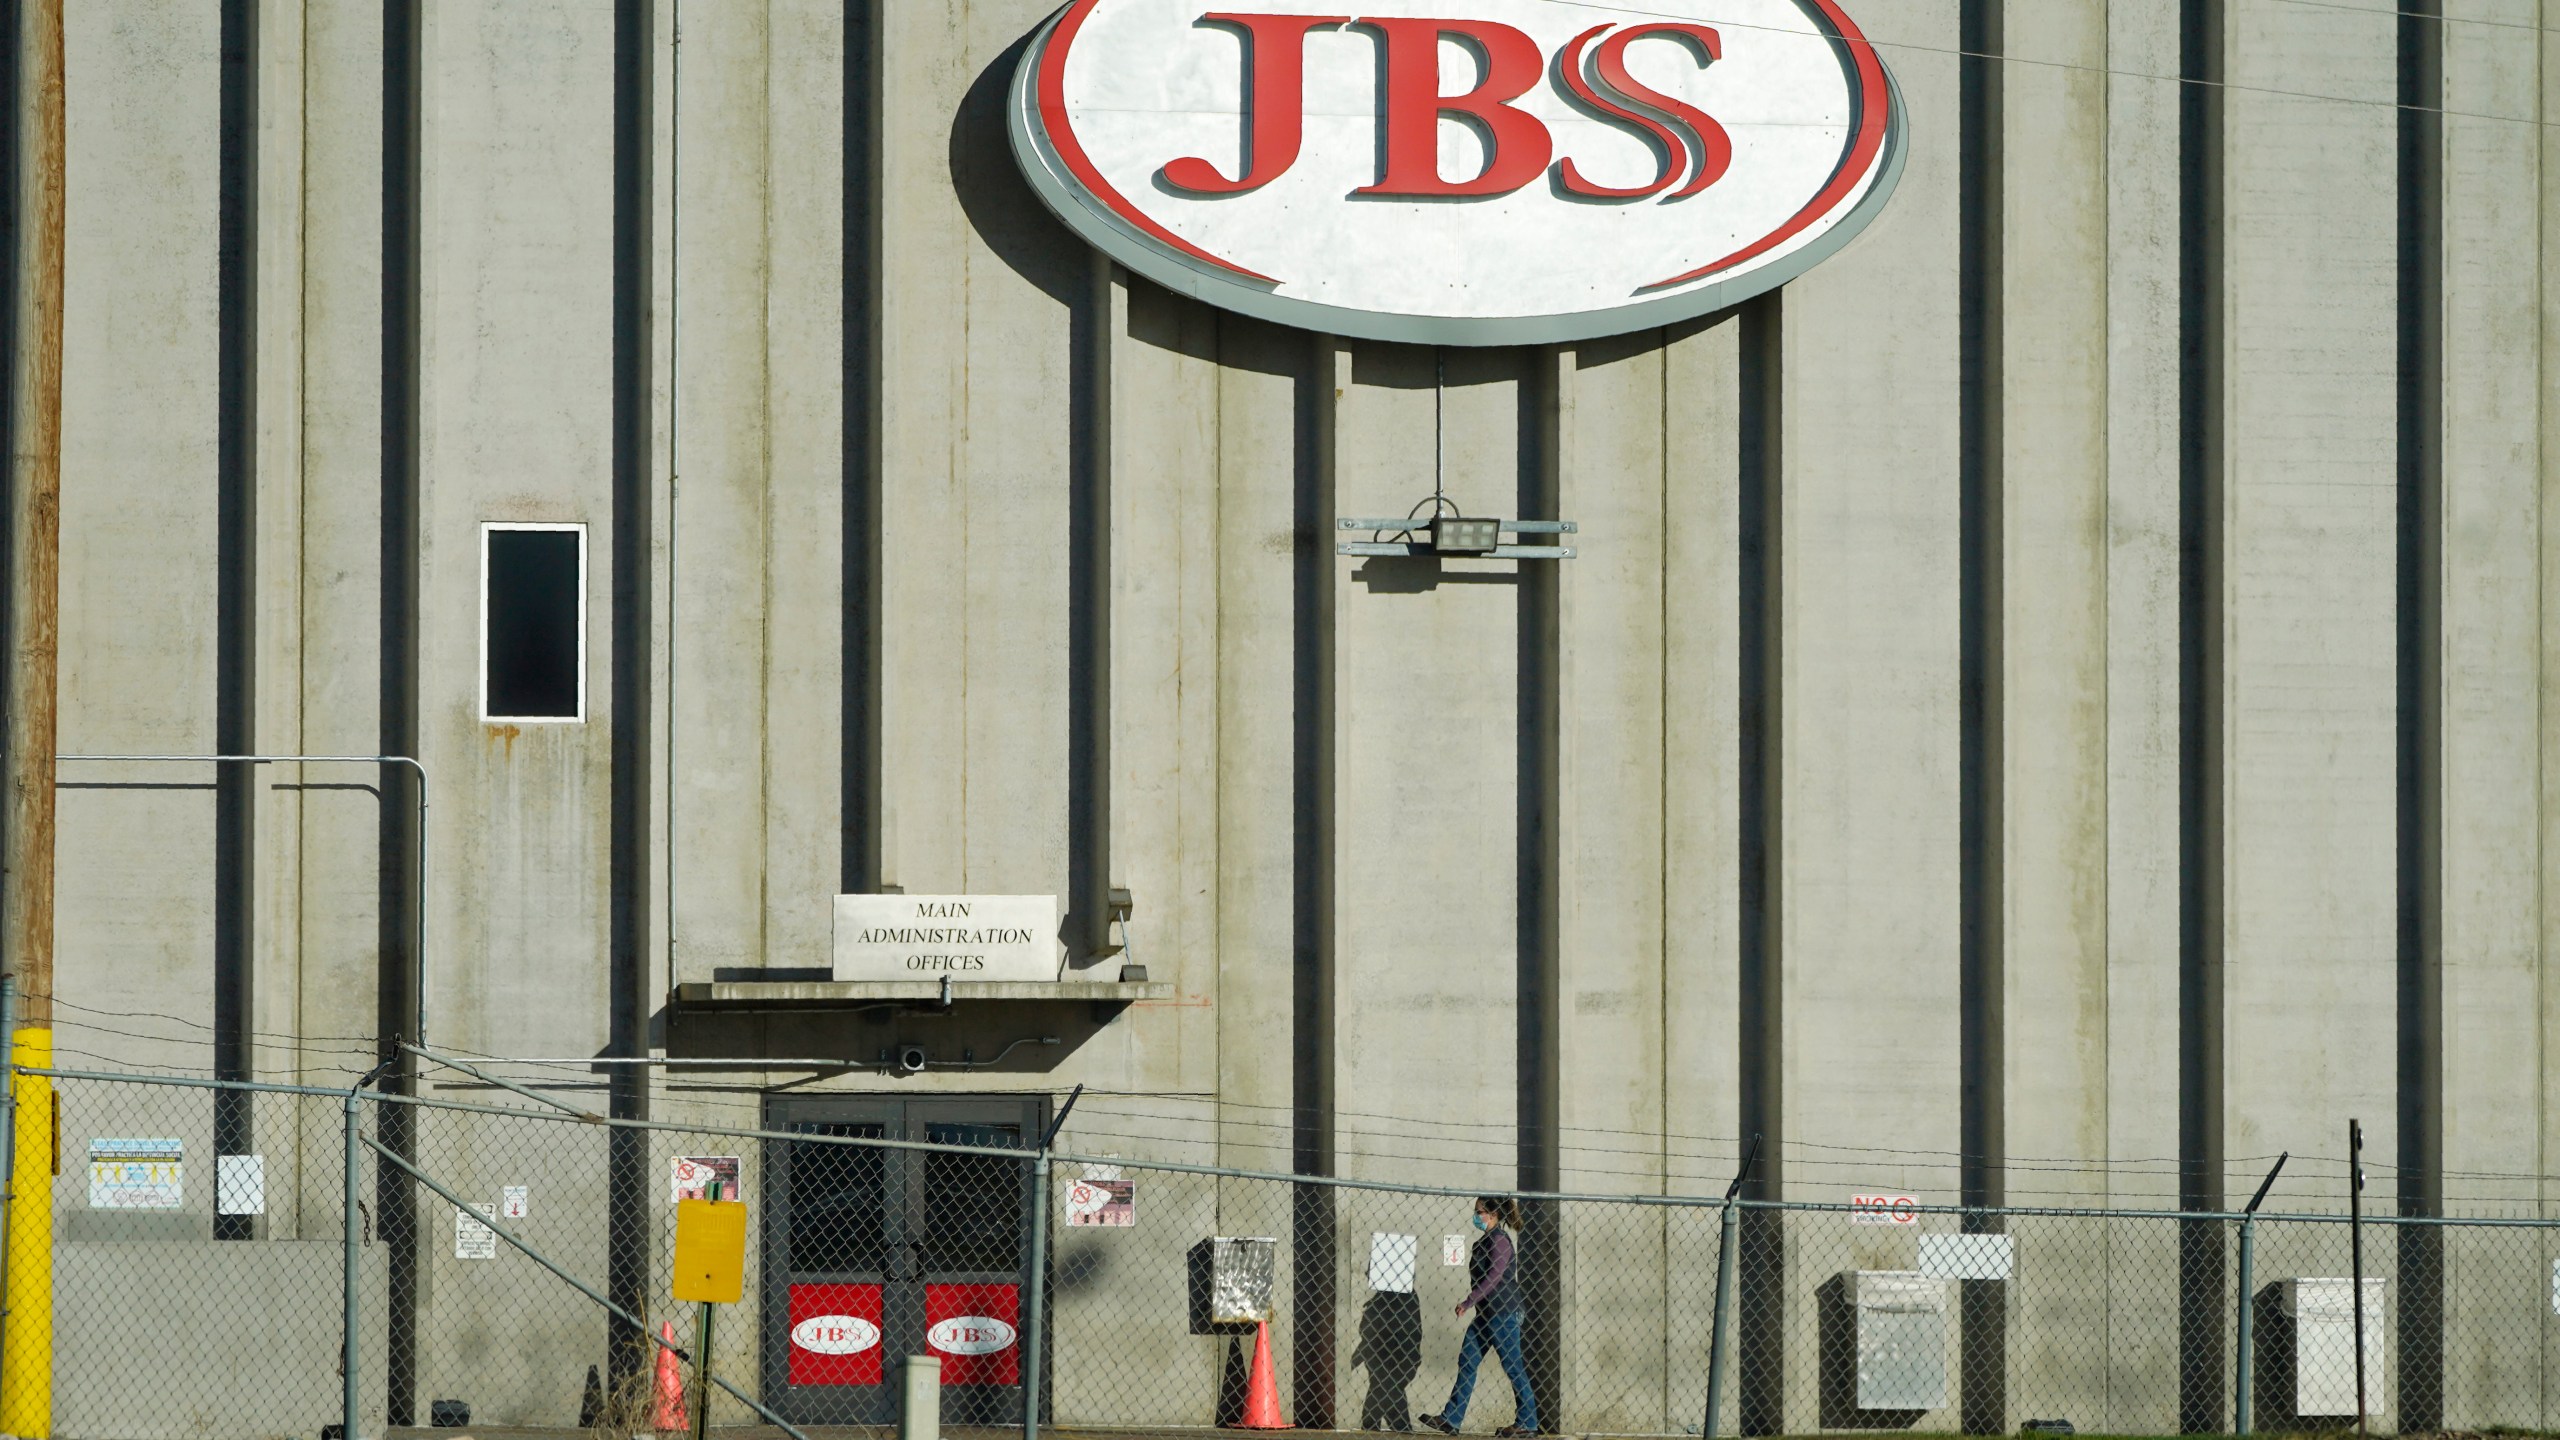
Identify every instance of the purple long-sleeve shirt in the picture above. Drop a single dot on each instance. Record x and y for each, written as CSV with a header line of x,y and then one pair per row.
x,y
1495,1269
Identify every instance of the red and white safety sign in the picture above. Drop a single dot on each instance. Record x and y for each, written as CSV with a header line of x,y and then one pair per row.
x,y
1883,1210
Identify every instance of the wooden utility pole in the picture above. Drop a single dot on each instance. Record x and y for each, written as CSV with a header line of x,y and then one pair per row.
x,y
35,519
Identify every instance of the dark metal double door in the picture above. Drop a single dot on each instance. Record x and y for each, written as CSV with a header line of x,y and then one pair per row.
x,y
873,1253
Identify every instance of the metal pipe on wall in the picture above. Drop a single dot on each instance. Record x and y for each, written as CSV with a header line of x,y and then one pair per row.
x,y
419,879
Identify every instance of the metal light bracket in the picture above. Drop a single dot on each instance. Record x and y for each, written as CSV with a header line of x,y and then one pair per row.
x,y
1423,542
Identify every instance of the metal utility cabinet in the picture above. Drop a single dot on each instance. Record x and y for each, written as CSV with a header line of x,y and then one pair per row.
x,y
1900,1318
2324,1344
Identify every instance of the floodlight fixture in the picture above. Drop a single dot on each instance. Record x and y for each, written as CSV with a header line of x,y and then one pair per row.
x,y
1471,536
1465,535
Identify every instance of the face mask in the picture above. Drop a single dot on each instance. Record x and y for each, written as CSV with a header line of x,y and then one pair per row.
x,y
1478,1217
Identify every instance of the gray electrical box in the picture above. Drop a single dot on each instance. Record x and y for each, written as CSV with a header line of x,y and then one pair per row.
x,y
1240,1275
1901,1323
2324,1344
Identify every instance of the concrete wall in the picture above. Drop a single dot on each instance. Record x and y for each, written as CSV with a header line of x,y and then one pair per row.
x,y
1443,868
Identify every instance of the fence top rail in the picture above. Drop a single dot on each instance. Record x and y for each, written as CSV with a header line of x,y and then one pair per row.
x,y
1334,1182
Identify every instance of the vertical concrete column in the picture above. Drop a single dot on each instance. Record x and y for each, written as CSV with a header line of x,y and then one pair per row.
x,y
1427,780
635,330
804,405
276,895
140,511
1317,921
1163,655
398,563
1700,774
2203,729
2052,487
1276,572
1760,793
923,69
979,427
859,637
235,728
2418,1381
723,511
1873,804
333,703
2309,918
2488,573
1613,1031
2547,557
2140,567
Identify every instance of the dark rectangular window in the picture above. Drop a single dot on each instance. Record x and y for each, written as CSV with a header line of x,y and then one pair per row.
x,y
533,622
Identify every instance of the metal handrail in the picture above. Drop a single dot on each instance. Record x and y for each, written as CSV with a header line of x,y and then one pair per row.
x,y
419,961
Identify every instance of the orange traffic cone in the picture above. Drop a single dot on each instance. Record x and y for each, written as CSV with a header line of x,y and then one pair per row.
x,y
1262,1389
667,1416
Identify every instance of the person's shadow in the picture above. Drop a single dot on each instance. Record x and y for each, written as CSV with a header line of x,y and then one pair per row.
x,y
1391,1346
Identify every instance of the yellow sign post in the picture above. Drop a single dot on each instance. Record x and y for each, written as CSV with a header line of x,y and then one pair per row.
x,y
710,1269
26,1336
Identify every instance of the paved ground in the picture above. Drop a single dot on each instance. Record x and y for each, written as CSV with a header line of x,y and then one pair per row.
x,y
853,1432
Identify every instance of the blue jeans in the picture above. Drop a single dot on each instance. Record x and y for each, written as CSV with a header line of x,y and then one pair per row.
x,y
1502,1333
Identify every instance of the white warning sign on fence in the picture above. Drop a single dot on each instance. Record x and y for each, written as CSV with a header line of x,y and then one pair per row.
x,y
472,1237
129,1174
1883,1210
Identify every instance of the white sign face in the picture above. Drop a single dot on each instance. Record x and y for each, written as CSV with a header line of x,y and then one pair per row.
x,y
964,937
1883,1210
835,1334
240,1185
137,1174
1466,172
1453,1249
1967,1257
970,1335
1391,1262
515,1201
472,1237
690,1177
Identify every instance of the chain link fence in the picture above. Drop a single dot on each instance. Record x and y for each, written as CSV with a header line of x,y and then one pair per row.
x,y
517,1261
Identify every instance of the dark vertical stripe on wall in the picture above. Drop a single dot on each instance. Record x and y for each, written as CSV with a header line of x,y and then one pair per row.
x,y
1540,883
1089,618
1981,750
1312,577
2201,1309
634,234
1759,1357
2421,492
235,730
396,939
860,761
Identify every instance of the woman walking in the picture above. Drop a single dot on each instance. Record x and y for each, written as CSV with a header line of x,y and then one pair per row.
x,y
1494,1294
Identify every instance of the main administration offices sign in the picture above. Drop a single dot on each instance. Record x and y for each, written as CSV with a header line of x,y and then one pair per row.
x,y
946,937
1469,172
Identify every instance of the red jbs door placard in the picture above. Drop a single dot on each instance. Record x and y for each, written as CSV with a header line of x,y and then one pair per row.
x,y
973,1329
835,1335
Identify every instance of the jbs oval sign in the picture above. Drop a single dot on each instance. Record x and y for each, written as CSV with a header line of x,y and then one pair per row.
x,y
970,1335
1468,172
835,1334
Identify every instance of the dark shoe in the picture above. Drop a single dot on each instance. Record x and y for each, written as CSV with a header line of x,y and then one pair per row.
x,y
1512,1430
1434,1422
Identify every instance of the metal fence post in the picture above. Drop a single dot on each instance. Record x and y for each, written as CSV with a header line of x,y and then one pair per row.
x,y
1724,1291
1032,1330
347,1397
2244,1365
1723,1317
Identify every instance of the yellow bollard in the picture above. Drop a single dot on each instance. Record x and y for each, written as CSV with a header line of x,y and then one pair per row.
x,y
26,1330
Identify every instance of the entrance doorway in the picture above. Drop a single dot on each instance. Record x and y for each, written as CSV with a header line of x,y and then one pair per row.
x,y
872,1254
